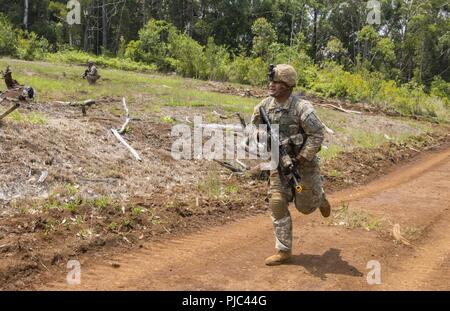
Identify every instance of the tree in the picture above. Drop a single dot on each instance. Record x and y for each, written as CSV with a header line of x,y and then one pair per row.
x,y
263,37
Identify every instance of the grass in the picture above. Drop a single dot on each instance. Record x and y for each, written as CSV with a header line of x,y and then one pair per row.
x,y
211,185
102,202
335,173
72,189
331,152
231,189
366,139
34,118
61,82
167,119
413,233
148,94
355,219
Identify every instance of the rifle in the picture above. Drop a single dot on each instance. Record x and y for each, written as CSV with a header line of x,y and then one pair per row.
x,y
286,165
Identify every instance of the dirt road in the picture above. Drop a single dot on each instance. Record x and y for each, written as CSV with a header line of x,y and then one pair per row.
x,y
327,257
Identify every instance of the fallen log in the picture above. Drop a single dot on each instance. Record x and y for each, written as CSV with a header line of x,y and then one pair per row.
x,y
396,232
127,117
340,109
83,105
229,166
118,133
219,115
241,119
10,110
120,138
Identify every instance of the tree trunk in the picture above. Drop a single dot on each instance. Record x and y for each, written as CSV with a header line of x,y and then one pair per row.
x,y
70,36
25,15
86,30
104,27
315,34
144,15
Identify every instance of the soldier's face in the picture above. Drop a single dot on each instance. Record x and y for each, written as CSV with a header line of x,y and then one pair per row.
x,y
278,89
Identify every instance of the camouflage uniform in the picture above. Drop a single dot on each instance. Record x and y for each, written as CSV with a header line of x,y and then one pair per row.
x,y
298,121
92,74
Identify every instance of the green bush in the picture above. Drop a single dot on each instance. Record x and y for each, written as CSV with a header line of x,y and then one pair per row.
x,y
441,89
330,81
187,56
81,58
257,72
363,86
32,47
153,44
217,60
239,69
8,37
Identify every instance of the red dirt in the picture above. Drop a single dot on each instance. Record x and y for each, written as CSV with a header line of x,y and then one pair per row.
x,y
326,257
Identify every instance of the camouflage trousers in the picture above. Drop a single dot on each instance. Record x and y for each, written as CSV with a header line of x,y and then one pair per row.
x,y
92,79
306,202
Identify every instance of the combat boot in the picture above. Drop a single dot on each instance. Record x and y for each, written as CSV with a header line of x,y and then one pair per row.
x,y
279,258
325,207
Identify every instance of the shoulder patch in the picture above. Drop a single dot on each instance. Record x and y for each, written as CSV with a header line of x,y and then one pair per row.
x,y
312,122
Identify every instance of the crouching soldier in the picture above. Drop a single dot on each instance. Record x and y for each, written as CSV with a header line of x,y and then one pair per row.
x,y
298,122
91,73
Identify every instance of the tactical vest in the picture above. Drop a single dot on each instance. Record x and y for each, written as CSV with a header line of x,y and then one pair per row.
x,y
291,133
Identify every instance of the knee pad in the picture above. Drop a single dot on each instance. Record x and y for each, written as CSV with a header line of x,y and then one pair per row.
x,y
278,204
307,201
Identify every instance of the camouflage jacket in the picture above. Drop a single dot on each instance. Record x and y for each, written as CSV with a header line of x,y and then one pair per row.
x,y
92,71
298,122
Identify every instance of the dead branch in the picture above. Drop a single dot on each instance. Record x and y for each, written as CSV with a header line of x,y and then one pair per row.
x,y
413,149
241,119
127,117
230,127
339,108
118,133
43,177
242,164
120,138
398,235
329,131
83,105
219,115
229,166
10,110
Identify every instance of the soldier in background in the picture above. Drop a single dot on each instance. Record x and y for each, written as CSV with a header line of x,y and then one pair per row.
x,y
298,124
91,73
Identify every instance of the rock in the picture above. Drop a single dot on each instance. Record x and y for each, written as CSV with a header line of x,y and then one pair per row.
x,y
115,264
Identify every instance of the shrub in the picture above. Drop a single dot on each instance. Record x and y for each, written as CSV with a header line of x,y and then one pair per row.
x,y
187,56
8,37
239,69
217,60
81,58
32,47
257,72
153,44
441,89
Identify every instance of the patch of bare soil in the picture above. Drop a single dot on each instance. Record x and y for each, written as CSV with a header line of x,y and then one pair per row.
x,y
326,255
96,199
